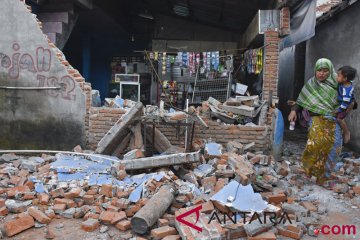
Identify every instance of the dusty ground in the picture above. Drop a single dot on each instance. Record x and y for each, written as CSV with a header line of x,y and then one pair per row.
x,y
339,210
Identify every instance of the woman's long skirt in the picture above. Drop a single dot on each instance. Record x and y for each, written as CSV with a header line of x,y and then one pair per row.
x,y
322,148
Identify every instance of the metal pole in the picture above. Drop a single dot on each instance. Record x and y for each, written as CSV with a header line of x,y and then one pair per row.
x,y
186,131
196,77
30,88
153,140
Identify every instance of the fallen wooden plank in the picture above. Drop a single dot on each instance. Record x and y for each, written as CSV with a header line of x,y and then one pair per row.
x,y
161,161
115,135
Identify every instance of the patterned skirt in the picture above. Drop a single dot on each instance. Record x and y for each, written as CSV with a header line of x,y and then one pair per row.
x,y
322,148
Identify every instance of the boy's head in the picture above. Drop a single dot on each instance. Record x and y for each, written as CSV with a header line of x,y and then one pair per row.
x,y
346,74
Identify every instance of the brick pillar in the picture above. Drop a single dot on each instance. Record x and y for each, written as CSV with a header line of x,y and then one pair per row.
x,y
271,64
284,21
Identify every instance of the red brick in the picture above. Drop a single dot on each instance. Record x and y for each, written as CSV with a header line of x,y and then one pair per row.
x,y
4,211
90,225
278,198
161,232
356,190
73,193
122,203
309,206
106,190
123,225
59,192
112,208
11,192
44,198
39,215
106,216
143,201
122,194
92,192
220,207
290,200
91,215
288,233
207,207
68,202
119,216
263,236
172,237
30,185
2,202
59,208
28,196
132,210
163,222
16,226
88,199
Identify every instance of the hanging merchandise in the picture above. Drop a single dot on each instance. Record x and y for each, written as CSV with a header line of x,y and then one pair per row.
x,y
212,61
151,55
168,64
253,60
242,63
229,62
197,58
164,63
179,59
156,55
185,59
208,63
204,59
217,61
192,63
259,62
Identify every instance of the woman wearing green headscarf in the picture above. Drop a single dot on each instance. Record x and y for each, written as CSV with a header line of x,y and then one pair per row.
x,y
319,98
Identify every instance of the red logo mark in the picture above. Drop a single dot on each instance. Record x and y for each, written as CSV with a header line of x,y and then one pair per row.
x,y
192,225
316,231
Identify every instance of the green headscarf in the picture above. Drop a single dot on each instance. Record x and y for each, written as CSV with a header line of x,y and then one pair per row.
x,y
320,97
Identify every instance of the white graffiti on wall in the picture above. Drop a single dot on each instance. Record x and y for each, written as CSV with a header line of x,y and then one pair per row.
x,y
24,61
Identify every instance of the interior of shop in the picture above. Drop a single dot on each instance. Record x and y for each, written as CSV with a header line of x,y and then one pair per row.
x,y
181,50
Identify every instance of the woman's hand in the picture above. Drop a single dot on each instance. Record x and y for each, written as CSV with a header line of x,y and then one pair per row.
x,y
292,116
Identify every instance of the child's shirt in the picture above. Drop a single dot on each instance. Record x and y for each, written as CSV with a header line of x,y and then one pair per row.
x,y
345,96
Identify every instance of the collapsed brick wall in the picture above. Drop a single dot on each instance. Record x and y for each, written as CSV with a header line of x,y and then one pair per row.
x,y
101,120
222,134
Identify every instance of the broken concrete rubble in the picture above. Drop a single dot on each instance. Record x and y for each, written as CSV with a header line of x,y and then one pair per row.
x,y
108,144
153,210
74,188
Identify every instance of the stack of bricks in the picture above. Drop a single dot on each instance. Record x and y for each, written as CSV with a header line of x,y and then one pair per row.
x,y
100,122
223,134
271,65
284,21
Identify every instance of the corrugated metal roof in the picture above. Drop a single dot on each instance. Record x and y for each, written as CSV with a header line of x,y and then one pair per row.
x,y
323,6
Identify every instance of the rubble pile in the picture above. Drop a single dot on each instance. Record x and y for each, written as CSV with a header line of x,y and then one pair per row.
x,y
231,190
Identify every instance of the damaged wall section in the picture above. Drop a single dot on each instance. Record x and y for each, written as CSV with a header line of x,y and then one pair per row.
x,y
101,121
223,134
40,118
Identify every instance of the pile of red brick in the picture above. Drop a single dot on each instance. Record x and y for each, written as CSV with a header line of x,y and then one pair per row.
x,y
109,205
